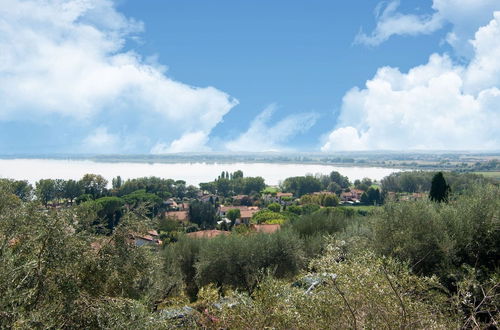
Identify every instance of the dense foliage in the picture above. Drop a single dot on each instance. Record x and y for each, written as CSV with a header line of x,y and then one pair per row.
x,y
234,184
406,264
421,181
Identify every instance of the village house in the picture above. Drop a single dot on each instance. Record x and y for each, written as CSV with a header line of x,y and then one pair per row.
x,y
351,196
210,198
239,197
152,238
246,212
280,197
181,216
249,210
171,204
242,200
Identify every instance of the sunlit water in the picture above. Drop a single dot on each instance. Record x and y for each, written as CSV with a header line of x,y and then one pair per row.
x,y
193,173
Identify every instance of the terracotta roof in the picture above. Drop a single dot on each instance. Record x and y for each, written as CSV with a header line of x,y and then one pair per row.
x,y
268,229
357,191
207,233
179,215
323,193
245,214
241,208
281,194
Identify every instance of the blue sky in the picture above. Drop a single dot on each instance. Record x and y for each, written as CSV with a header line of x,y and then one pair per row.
x,y
96,76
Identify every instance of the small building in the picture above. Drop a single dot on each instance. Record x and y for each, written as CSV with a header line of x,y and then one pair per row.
x,y
280,197
246,215
181,216
171,203
152,238
351,196
248,210
210,198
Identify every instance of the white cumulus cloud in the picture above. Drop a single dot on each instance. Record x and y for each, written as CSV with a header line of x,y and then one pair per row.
x,y
390,22
265,135
189,142
438,105
465,16
66,58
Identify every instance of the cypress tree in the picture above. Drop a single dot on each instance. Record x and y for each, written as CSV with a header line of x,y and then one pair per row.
x,y
439,188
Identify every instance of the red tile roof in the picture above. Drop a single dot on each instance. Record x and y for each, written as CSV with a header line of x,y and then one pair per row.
x,y
179,215
241,208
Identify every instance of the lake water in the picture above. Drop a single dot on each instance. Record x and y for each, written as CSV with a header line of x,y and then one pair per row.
x,y
193,173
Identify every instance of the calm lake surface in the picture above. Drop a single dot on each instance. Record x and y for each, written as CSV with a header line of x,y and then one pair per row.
x,y
193,173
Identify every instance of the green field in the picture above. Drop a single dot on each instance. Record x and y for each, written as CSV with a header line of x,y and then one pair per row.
x,y
494,175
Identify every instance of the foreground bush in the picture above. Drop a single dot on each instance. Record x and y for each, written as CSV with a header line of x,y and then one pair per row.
x,y
234,261
54,276
439,238
362,291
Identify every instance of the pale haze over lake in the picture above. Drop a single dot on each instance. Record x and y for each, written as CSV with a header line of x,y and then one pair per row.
x,y
193,173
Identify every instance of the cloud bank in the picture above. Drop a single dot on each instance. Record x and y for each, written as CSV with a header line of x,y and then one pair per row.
x,y
438,105
65,59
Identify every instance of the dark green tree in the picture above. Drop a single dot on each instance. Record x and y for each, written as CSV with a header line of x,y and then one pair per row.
x,y
116,182
339,179
45,191
72,190
223,187
237,175
138,198
364,198
233,214
374,196
110,210
94,185
253,185
439,188
203,214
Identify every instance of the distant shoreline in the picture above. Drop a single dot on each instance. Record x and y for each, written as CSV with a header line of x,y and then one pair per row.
x,y
418,160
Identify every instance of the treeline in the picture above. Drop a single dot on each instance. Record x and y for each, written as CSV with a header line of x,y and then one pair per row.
x,y
420,181
303,185
94,186
230,184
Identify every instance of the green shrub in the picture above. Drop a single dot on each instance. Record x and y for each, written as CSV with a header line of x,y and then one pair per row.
x,y
267,215
324,221
439,238
240,261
